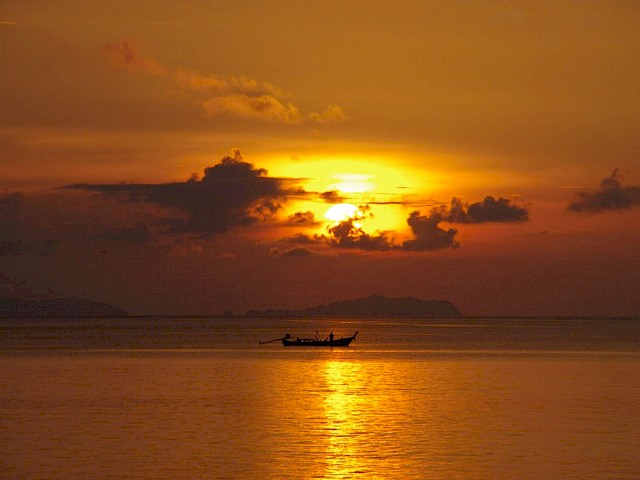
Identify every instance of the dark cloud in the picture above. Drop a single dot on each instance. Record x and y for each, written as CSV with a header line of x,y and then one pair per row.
x,y
611,196
332,196
347,234
427,234
302,219
489,210
230,194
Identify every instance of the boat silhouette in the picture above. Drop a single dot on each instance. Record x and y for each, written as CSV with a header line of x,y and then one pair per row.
x,y
330,341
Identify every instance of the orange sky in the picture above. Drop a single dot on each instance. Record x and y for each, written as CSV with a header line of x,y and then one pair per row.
x,y
393,109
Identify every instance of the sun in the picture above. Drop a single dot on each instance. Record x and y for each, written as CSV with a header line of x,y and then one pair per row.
x,y
375,191
341,212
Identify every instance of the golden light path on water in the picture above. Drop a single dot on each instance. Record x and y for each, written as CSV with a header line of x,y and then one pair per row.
x,y
343,411
384,420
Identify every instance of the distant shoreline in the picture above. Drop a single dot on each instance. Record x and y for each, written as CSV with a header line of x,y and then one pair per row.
x,y
12,307
374,306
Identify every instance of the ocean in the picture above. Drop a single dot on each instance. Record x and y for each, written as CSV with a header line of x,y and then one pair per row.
x,y
200,398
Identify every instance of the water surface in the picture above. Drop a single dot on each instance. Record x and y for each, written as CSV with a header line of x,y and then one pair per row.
x,y
412,398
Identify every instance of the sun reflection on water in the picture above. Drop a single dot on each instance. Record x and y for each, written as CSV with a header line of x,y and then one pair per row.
x,y
343,405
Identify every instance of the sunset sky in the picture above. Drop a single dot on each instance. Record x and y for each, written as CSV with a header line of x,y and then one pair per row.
x,y
200,156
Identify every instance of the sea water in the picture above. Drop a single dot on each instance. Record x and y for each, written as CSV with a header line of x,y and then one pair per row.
x,y
199,398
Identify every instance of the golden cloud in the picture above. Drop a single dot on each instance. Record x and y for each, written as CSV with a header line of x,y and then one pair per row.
x,y
237,96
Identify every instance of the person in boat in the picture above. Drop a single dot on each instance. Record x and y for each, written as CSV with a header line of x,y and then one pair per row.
x,y
331,337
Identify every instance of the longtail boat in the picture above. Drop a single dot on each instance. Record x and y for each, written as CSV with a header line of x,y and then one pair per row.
x,y
289,341
330,341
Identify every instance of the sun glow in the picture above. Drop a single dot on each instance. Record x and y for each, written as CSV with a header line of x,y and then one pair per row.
x,y
341,212
339,188
353,183
358,174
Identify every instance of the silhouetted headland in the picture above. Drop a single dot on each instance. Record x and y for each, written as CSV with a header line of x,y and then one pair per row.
x,y
11,307
373,306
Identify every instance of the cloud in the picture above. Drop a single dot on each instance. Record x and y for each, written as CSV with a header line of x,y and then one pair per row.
x,y
612,196
427,234
332,114
426,229
232,193
223,84
332,196
261,107
489,210
347,234
236,96
302,219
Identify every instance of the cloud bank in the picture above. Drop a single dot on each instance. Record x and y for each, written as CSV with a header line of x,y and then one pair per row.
x,y
427,234
234,194
612,196
426,229
230,194
489,210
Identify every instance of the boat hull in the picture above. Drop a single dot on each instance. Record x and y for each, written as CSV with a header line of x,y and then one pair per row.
x,y
312,342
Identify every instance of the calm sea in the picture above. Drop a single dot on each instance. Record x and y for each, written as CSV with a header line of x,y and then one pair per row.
x,y
195,398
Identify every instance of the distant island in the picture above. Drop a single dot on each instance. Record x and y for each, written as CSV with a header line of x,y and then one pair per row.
x,y
372,306
12,307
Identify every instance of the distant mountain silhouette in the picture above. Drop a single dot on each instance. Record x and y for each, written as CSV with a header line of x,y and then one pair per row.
x,y
11,307
373,306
